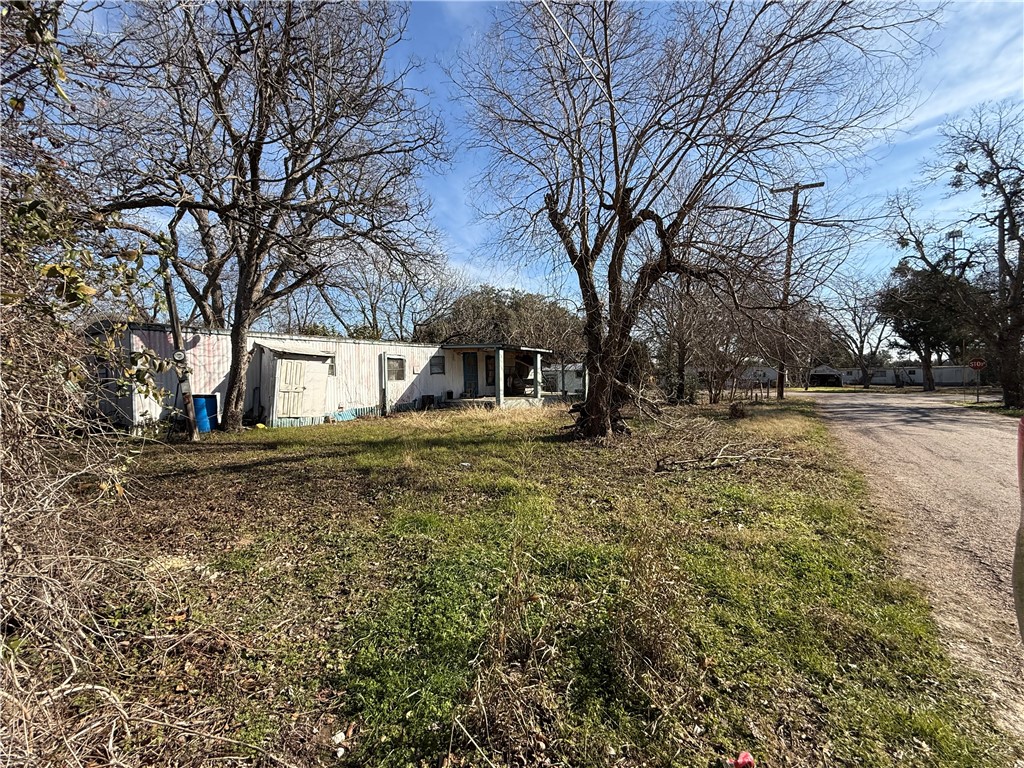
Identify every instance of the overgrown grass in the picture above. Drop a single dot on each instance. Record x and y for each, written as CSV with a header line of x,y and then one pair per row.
x,y
996,408
475,589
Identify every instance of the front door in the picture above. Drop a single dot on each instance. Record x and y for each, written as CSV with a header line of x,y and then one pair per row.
x,y
291,384
470,381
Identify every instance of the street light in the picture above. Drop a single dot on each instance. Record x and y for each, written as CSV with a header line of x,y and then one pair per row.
x,y
953,234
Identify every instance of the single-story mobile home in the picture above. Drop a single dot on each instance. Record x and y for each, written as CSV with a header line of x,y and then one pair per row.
x,y
297,380
913,375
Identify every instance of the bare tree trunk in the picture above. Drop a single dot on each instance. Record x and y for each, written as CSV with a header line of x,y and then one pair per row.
x,y
1008,348
234,402
596,418
928,375
865,376
681,393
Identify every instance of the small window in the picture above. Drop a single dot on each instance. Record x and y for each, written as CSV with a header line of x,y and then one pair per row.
x,y
332,369
437,364
489,371
912,372
579,374
396,369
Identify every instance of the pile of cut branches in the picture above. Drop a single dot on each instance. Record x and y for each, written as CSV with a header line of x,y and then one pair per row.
x,y
729,455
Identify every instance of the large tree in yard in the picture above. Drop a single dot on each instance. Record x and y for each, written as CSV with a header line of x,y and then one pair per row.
x,y
984,151
271,137
923,308
620,131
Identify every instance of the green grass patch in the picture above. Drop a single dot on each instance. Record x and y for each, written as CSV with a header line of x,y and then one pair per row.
x,y
996,408
476,584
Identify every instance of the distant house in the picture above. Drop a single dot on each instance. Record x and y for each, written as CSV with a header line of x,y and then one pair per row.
x,y
825,376
913,375
568,379
757,374
298,380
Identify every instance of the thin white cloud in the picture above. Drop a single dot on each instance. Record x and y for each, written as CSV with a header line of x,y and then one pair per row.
x,y
979,57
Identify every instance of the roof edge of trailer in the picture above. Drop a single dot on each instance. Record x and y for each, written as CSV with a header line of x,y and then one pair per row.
x,y
256,336
510,347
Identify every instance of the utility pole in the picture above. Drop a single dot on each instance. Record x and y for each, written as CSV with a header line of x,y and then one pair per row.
x,y
787,278
952,235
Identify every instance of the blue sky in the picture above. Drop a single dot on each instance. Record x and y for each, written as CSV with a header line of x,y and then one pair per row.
x,y
978,56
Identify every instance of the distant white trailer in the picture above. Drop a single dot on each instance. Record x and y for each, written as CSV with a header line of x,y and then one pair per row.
x,y
570,379
763,374
913,375
955,375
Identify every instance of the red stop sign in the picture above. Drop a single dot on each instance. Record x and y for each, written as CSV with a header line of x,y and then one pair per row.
x,y
977,363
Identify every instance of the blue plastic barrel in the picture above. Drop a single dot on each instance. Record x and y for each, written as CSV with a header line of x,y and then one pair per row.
x,y
206,412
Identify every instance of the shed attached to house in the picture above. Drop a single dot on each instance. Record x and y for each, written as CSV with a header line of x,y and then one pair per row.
x,y
291,387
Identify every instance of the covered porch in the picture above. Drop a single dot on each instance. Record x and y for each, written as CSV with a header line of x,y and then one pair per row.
x,y
498,376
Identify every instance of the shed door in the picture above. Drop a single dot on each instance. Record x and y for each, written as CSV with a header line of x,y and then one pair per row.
x,y
469,373
291,383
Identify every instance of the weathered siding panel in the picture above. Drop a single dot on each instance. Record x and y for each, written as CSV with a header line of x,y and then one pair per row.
x,y
208,356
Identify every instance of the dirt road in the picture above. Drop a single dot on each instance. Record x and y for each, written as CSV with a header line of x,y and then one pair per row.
x,y
948,476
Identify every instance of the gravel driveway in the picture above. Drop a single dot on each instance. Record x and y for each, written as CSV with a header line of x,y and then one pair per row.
x,y
947,475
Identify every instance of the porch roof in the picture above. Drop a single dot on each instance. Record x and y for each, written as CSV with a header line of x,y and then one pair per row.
x,y
507,347
293,348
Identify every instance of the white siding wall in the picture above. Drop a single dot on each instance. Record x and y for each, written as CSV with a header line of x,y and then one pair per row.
x,y
945,375
209,357
358,380
573,382
953,375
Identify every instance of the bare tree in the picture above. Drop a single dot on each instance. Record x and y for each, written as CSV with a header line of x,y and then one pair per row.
x,y
619,131
720,339
666,328
857,322
378,294
984,151
60,568
272,132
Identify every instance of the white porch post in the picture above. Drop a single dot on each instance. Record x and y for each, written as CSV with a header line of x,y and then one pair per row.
x,y
537,377
499,376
